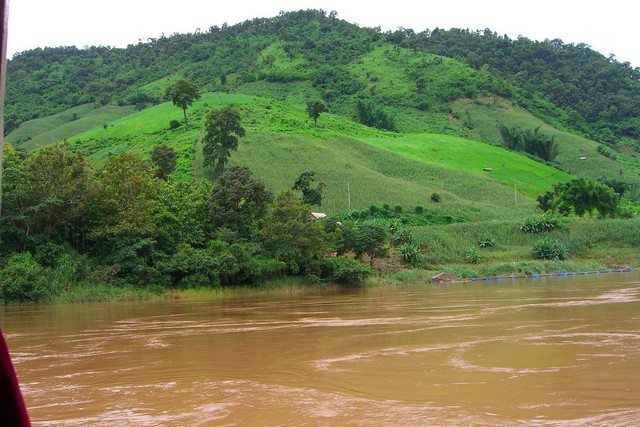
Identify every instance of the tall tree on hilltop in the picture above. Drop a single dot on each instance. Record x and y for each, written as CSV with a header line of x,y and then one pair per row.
x,y
222,130
182,94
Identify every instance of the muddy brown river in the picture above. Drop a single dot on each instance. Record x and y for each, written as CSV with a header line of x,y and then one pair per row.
x,y
557,351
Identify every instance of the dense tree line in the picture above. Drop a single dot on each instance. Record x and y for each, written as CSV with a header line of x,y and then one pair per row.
x,y
530,141
600,95
581,196
64,222
597,95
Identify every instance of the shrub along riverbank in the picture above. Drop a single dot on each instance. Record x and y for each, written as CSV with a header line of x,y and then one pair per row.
x,y
122,231
593,245
74,233
92,292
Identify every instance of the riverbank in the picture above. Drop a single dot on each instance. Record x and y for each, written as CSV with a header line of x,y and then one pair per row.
x,y
87,293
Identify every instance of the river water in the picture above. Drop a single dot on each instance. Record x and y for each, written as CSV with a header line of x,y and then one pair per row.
x,y
557,351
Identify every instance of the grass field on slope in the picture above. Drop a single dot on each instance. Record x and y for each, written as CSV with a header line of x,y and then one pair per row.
x,y
55,128
257,114
374,176
514,170
484,116
415,87
282,142
141,131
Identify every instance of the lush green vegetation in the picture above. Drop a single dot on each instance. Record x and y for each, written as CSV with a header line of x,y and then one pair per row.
x,y
66,124
338,60
571,76
540,224
393,80
516,171
402,148
279,134
576,155
65,224
581,196
530,141
611,242
183,93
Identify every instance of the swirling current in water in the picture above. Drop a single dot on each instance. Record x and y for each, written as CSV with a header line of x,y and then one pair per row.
x,y
556,351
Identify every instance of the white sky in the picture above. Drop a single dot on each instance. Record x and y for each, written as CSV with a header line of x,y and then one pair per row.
x,y
607,26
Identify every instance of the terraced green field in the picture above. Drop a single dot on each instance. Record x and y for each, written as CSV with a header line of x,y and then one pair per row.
x,y
47,130
375,176
514,170
283,142
485,115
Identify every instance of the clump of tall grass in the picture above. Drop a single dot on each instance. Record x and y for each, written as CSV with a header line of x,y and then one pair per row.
x,y
472,255
540,224
410,254
548,248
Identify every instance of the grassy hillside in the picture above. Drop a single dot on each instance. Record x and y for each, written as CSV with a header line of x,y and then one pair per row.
x,y
140,131
297,93
282,142
70,122
484,116
375,176
600,96
516,171
420,91
581,88
292,59
276,64
416,88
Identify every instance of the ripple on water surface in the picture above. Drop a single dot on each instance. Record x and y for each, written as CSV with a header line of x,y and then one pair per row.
x,y
554,351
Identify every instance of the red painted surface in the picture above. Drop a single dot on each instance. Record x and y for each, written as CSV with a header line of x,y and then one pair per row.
x,y
13,411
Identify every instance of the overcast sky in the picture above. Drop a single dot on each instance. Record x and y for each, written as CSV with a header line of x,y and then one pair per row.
x,y
607,26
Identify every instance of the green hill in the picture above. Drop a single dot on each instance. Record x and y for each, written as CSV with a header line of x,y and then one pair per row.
x,y
282,142
307,55
516,171
57,127
576,155
560,80
411,126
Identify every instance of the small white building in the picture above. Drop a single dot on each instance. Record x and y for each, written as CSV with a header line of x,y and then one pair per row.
x,y
317,215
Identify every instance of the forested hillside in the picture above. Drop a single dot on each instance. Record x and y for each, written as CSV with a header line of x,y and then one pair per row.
x,y
600,95
321,54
